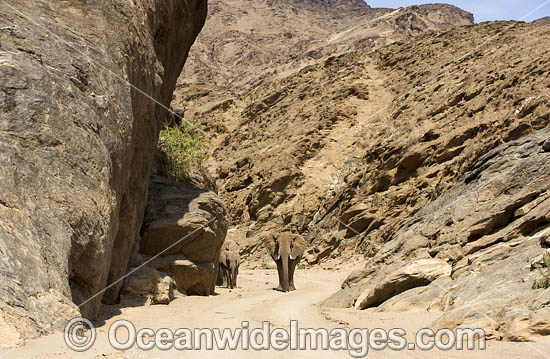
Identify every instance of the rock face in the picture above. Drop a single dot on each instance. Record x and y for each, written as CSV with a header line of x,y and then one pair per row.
x,y
427,150
76,144
487,229
183,231
245,44
339,152
401,279
277,174
462,177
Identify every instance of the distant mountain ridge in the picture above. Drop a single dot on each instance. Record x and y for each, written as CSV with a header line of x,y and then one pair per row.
x,y
542,21
245,44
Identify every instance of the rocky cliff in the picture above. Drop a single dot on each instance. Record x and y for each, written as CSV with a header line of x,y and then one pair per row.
x,y
426,158
243,84
458,176
76,144
245,44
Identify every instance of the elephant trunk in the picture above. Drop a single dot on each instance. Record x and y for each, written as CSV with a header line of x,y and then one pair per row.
x,y
229,276
285,273
233,276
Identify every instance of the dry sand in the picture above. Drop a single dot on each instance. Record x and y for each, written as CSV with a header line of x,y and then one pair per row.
x,y
255,301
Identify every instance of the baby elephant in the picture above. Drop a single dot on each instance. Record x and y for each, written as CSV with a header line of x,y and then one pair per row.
x,y
229,264
286,249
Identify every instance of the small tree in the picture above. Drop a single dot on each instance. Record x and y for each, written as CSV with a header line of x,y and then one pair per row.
x,y
544,282
185,147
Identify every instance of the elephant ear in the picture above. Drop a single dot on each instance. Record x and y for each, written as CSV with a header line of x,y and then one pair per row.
x,y
234,247
297,247
270,242
234,258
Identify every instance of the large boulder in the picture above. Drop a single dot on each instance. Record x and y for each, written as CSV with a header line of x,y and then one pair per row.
x,y
193,278
146,286
416,274
183,231
79,122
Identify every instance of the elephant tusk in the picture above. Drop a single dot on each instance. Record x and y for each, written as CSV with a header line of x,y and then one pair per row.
x,y
292,257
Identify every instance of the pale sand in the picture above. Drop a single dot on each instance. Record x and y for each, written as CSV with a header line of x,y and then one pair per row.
x,y
255,301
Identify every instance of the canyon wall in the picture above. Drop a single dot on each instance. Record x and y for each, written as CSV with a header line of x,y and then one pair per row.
x,y
76,146
424,162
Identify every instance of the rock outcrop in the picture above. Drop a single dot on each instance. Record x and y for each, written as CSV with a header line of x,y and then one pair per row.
x,y
76,144
277,174
183,231
402,278
360,157
487,229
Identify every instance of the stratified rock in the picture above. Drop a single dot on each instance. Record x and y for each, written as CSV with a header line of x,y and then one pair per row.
x,y
361,157
76,145
416,274
186,222
488,227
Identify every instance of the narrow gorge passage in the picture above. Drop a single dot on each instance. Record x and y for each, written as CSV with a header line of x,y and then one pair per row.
x,y
387,169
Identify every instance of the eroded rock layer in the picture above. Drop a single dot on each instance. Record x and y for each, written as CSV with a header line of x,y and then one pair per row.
x,y
428,158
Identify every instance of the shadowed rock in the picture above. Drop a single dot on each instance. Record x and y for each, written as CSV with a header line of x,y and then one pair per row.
x,y
186,226
76,146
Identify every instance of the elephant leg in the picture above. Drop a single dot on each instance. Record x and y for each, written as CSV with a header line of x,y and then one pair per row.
x,y
236,274
219,279
280,273
227,277
291,268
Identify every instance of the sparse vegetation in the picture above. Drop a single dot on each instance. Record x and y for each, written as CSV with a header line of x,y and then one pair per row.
x,y
544,282
185,147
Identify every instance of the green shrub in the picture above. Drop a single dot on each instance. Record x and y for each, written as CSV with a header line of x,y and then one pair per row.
x,y
185,147
544,282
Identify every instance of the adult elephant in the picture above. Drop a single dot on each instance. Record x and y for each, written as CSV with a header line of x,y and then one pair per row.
x,y
229,264
286,249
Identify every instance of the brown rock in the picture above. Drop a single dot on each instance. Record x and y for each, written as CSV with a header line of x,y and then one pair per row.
x,y
542,21
191,278
77,144
227,51
382,168
146,286
484,243
184,221
416,274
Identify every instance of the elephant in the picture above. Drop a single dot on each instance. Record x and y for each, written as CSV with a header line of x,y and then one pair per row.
x,y
287,250
229,264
